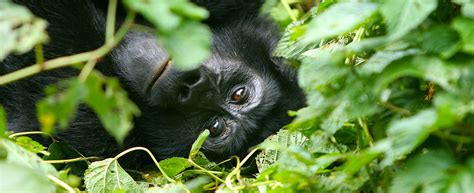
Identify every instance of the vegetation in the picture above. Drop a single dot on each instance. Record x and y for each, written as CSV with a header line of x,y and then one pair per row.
x,y
390,103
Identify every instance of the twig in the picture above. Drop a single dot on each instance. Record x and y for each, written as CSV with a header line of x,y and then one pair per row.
x,y
73,59
205,170
64,161
152,157
61,183
87,70
363,124
32,133
288,9
39,55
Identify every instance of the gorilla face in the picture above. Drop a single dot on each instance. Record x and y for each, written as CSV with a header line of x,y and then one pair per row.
x,y
241,94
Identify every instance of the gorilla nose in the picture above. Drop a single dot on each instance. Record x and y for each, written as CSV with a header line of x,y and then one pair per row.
x,y
193,85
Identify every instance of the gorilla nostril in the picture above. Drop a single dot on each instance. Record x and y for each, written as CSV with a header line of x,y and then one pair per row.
x,y
184,93
192,78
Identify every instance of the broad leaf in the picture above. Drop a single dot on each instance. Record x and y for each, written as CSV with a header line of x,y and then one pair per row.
x,y
29,144
21,156
404,15
465,27
108,176
20,30
423,174
175,21
188,52
405,135
17,177
339,19
111,104
60,105
175,165
198,144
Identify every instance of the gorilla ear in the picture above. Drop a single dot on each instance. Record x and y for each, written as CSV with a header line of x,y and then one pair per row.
x,y
137,59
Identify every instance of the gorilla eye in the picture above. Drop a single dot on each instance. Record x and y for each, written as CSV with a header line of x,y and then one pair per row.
x,y
238,95
215,128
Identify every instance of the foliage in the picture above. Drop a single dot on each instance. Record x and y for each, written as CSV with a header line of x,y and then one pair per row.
x,y
19,29
390,104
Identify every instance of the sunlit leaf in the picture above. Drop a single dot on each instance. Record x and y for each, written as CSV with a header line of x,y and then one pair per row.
x,y
20,30
198,143
108,176
339,19
110,102
29,144
21,156
175,165
423,174
21,178
404,15
465,28
175,21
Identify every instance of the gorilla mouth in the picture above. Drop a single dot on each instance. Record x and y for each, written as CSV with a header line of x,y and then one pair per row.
x,y
159,71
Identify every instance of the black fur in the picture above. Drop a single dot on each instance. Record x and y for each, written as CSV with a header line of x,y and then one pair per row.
x,y
179,105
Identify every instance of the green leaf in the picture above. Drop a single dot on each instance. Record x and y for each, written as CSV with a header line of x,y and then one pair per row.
x,y
188,52
339,19
381,59
20,156
19,29
104,95
290,48
167,15
423,174
111,104
175,165
108,176
29,144
451,108
405,135
465,28
463,180
17,177
198,144
429,68
467,7
3,122
321,67
61,150
60,105
441,40
402,16
175,21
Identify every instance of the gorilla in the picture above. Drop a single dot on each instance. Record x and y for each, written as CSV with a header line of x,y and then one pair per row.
x,y
241,94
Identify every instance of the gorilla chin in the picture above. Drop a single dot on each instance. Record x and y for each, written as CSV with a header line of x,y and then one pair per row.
x,y
241,94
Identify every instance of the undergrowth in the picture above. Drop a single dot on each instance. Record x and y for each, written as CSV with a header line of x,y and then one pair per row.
x,y
390,105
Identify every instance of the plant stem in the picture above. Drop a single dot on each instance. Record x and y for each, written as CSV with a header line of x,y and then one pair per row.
x,y
363,124
110,25
87,70
61,183
288,9
39,54
152,157
205,170
64,161
31,133
73,59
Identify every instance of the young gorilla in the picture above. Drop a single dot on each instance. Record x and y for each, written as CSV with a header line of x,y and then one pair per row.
x,y
241,93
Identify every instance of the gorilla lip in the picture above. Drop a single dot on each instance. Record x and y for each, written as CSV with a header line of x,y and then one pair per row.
x,y
159,72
